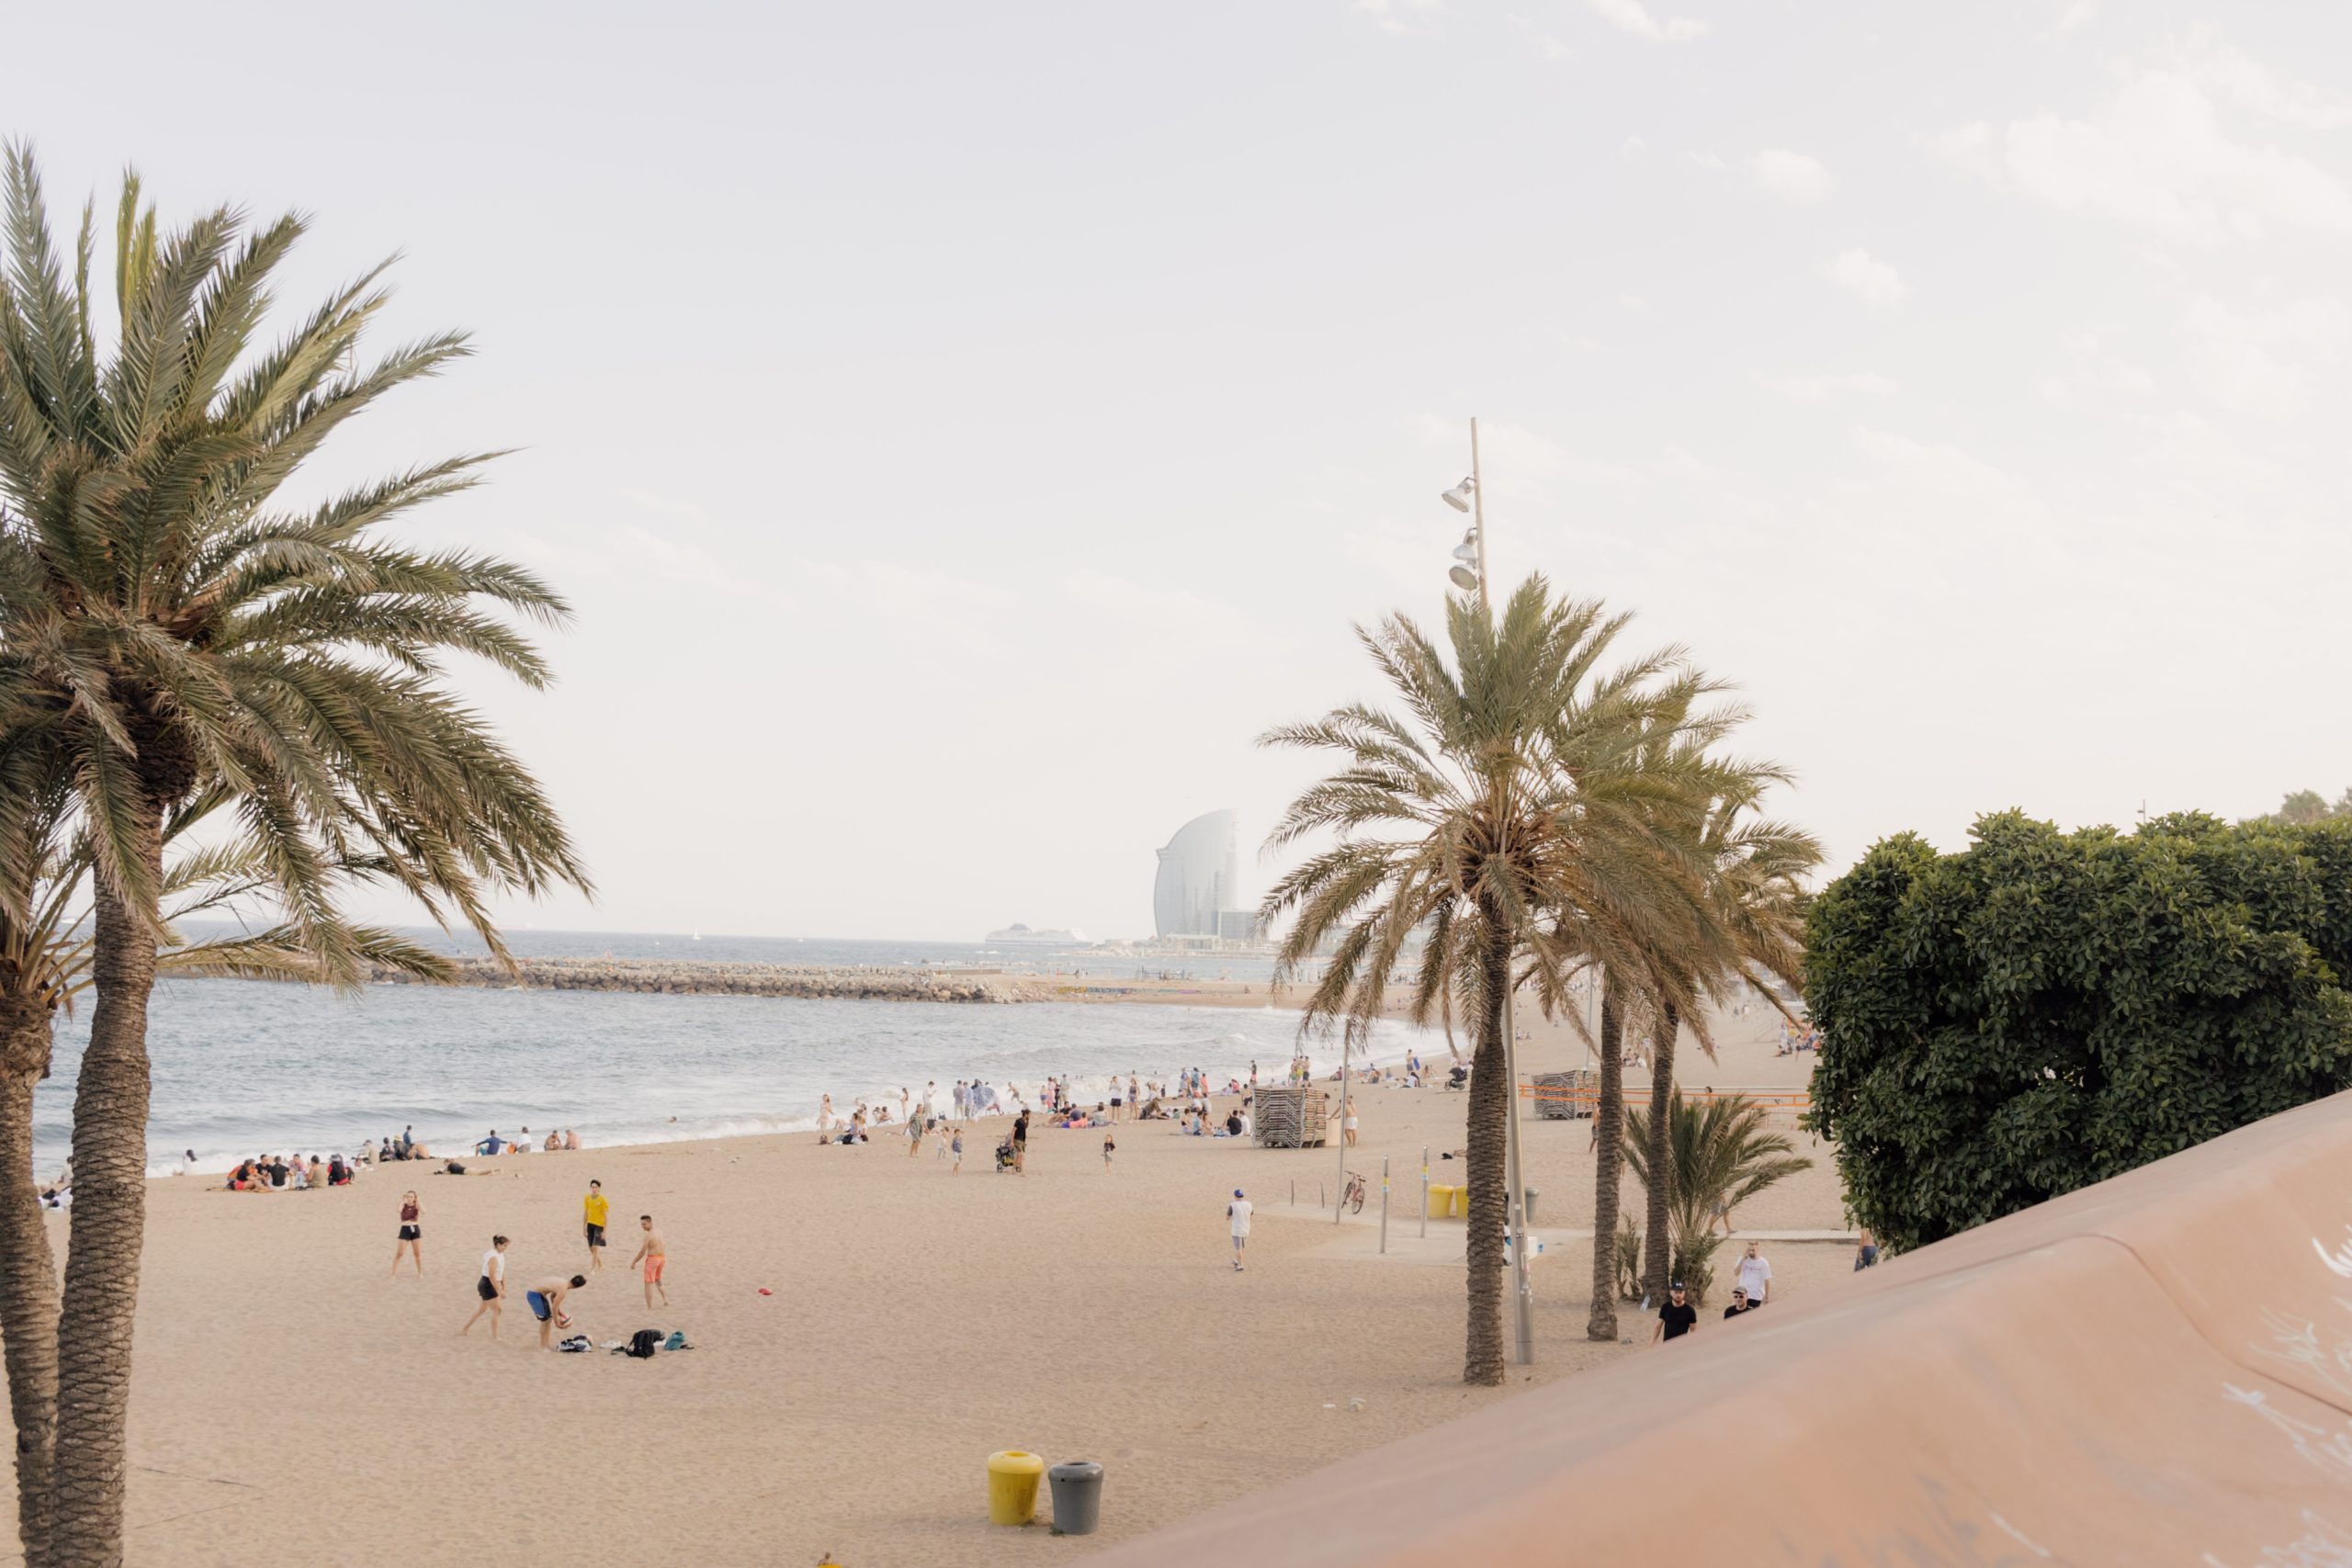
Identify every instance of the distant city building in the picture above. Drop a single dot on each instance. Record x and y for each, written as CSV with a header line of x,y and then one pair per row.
x,y
1200,877
1237,925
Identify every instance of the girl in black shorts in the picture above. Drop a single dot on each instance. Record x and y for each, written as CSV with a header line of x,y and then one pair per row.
x,y
411,1239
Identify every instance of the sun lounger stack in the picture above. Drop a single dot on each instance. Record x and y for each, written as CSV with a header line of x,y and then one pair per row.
x,y
1557,1094
1290,1118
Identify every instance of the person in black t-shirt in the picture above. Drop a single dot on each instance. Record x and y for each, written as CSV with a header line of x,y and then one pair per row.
x,y
1739,1303
1677,1317
1020,1142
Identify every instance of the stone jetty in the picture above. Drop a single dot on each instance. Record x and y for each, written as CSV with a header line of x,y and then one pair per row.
x,y
689,978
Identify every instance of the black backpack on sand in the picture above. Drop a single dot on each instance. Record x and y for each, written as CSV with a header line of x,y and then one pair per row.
x,y
644,1342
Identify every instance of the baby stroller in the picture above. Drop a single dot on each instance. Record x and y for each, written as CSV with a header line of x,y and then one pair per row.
x,y
1458,1079
1004,1155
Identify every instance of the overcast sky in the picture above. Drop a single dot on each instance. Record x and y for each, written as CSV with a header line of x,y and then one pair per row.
x,y
962,429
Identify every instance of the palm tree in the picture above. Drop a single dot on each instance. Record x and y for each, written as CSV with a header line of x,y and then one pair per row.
x,y
45,963
1752,874
167,629
1723,1151
1496,818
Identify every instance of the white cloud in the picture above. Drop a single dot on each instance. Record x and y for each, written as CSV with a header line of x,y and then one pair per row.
x,y
2074,18
2255,87
1633,147
1393,16
1706,160
1792,176
2255,359
1632,303
1869,280
2095,378
1545,44
1831,386
1632,17
2158,157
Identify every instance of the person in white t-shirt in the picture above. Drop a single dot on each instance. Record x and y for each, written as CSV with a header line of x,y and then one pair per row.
x,y
490,1287
1238,1213
1755,1275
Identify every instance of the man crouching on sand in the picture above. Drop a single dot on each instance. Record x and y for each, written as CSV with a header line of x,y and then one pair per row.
x,y
656,1256
546,1302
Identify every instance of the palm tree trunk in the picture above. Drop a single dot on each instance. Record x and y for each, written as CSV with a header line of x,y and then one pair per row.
x,y
1488,1129
1608,1160
109,1221
28,1271
1658,1253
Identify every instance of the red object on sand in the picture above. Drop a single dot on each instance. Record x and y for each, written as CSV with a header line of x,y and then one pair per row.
x,y
766,1291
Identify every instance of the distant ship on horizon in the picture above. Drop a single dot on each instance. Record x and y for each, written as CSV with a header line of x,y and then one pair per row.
x,y
1018,935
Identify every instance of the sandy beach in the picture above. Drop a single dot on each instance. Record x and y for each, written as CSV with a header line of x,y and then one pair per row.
x,y
291,1401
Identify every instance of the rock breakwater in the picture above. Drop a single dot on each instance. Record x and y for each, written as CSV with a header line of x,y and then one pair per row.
x,y
686,978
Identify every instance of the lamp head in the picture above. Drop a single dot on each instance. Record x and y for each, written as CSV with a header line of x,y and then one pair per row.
x,y
1458,497
1461,577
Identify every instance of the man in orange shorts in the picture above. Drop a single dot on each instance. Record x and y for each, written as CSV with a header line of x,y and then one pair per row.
x,y
654,1254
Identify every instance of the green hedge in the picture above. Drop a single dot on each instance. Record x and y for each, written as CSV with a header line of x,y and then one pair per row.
x,y
2044,1010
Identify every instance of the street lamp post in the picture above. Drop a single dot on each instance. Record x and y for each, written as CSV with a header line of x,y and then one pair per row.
x,y
1523,1292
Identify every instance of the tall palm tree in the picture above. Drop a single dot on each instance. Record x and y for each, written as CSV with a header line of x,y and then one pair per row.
x,y
1752,874
1497,821
171,629
1679,948
45,963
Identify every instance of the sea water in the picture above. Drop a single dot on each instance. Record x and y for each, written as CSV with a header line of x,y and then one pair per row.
x,y
243,1068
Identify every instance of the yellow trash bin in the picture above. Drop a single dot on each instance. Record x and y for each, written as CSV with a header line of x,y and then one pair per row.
x,y
1461,1209
1012,1486
1440,1200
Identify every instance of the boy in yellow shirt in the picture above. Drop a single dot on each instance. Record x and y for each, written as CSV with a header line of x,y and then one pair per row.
x,y
597,1210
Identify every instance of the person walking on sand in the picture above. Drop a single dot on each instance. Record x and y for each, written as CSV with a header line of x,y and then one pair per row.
x,y
1677,1317
1109,1147
546,1300
1237,1214
957,1146
654,1256
1349,1123
595,1210
490,1287
1755,1275
1020,1142
411,1235
914,1136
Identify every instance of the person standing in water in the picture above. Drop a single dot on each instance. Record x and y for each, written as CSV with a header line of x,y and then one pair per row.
x,y
411,1239
655,1257
490,1287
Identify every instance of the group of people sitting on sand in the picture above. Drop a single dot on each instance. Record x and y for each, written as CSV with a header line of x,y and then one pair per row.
x,y
523,1143
277,1173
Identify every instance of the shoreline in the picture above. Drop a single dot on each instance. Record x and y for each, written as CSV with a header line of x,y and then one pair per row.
x,y
1080,1311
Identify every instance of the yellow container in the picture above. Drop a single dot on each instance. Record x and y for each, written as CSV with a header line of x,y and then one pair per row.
x,y
1012,1487
1441,1200
1461,1209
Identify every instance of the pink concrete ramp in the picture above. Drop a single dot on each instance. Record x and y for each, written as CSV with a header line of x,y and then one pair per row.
x,y
2157,1370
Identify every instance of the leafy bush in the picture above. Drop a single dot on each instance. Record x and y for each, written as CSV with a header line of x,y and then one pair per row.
x,y
1629,1261
1694,1264
2044,1010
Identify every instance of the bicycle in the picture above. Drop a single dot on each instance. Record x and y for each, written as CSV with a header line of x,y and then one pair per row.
x,y
1353,1195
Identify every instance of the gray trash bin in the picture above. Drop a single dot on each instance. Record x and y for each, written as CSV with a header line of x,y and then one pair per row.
x,y
1533,1194
1078,1497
